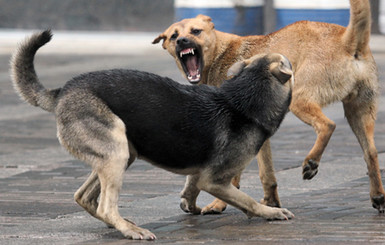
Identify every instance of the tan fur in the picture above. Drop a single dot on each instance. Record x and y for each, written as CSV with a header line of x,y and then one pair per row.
x,y
331,63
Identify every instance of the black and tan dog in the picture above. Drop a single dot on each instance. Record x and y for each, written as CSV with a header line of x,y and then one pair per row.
x,y
331,63
109,118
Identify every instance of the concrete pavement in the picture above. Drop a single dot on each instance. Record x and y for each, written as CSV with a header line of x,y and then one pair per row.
x,y
38,178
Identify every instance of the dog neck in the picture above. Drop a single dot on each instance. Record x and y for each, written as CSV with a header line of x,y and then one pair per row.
x,y
229,49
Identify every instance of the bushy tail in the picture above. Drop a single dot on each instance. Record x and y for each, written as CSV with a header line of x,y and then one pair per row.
x,y
24,78
357,34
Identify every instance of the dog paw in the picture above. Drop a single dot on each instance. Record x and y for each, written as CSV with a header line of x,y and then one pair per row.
x,y
310,169
378,203
137,233
216,207
188,208
280,214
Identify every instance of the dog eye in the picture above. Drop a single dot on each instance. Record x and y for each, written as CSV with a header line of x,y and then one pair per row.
x,y
174,36
196,31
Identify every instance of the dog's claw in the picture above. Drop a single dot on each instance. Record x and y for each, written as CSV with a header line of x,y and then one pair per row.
x,y
137,233
310,169
281,214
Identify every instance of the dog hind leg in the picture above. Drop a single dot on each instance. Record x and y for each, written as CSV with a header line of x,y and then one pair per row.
x,y
99,139
361,118
87,195
110,173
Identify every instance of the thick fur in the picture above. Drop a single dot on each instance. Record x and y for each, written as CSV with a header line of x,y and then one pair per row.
x,y
331,63
109,118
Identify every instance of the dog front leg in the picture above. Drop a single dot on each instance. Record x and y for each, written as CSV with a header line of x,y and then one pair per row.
x,y
242,201
189,195
311,114
267,176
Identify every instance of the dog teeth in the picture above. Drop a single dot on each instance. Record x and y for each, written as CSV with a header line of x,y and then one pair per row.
x,y
196,77
186,51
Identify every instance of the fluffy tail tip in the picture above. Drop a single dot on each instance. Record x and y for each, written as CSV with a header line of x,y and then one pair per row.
x,y
46,35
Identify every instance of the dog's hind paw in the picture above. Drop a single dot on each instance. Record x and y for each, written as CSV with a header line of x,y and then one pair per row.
x,y
310,169
378,202
216,207
185,206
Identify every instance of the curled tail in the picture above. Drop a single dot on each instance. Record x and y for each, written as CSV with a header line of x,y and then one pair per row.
x,y
24,78
357,34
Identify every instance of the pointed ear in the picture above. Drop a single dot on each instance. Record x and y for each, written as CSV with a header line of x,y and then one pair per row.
x,y
282,70
160,37
236,68
206,19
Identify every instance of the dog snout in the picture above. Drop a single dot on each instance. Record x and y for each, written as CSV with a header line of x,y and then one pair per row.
x,y
183,41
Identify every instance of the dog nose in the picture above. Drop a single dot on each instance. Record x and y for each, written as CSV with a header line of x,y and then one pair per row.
x,y
182,40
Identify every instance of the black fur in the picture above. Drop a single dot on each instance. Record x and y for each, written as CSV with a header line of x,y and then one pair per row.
x,y
175,125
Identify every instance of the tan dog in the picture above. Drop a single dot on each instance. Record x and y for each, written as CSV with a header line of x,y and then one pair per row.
x,y
331,63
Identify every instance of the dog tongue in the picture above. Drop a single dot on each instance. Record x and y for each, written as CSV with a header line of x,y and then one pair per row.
x,y
192,66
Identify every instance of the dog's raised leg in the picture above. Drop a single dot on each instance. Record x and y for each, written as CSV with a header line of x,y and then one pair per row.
x,y
230,194
189,195
311,113
361,118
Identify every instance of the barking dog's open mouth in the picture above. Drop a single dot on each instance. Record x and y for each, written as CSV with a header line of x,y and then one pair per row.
x,y
191,60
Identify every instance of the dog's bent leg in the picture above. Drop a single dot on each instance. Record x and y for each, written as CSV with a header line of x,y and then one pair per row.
x,y
242,201
361,114
189,195
311,113
267,176
110,172
87,195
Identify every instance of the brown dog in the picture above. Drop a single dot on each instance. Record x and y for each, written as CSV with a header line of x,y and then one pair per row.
x,y
331,63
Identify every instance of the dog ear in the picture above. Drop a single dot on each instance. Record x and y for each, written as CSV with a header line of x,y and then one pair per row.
x,y
282,70
160,37
236,68
206,19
